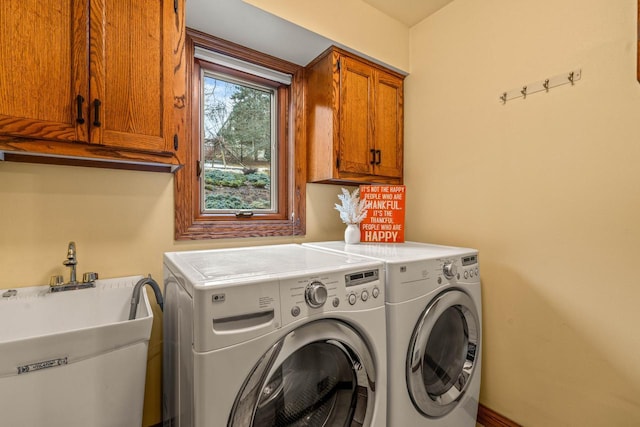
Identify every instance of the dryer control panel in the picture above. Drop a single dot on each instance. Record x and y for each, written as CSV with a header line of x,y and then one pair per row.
x,y
305,297
460,269
416,278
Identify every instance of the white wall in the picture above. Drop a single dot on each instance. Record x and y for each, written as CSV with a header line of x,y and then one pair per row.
x,y
546,188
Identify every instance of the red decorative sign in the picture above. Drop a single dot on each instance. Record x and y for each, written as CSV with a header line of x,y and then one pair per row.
x,y
384,222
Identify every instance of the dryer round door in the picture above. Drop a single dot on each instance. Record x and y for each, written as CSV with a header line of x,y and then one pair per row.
x,y
443,353
321,374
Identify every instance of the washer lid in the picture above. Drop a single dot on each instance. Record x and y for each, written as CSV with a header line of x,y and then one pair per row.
x,y
394,252
250,264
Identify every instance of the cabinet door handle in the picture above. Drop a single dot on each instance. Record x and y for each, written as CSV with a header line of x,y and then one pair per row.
x,y
96,111
79,102
373,156
379,157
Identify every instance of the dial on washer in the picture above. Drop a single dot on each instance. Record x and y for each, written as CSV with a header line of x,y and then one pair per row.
x,y
450,270
315,294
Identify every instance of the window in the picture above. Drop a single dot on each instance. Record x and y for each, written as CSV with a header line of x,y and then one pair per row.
x,y
239,136
244,159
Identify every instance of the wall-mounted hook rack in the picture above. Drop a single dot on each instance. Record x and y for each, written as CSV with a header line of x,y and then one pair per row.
x,y
543,85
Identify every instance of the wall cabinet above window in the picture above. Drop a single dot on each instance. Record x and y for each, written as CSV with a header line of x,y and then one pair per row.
x,y
354,120
93,79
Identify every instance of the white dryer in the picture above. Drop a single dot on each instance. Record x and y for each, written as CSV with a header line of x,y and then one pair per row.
x,y
434,329
280,335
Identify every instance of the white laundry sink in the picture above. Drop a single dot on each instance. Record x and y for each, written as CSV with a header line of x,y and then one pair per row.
x,y
73,358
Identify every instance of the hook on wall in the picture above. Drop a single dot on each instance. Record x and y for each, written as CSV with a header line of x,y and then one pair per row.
x,y
542,85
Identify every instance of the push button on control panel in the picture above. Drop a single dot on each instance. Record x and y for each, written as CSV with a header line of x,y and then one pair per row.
x,y
352,298
364,295
362,285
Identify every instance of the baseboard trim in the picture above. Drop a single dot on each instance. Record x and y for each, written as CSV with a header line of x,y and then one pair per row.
x,y
490,418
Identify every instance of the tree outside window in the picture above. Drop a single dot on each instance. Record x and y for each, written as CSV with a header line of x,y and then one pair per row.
x,y
238,139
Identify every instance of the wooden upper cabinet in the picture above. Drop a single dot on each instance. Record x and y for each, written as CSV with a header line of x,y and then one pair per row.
x,y
354,120
43,67
389,125
355,112
129,76
99,79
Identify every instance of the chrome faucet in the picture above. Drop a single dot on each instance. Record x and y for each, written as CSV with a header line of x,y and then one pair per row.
x,y
56,284
71,262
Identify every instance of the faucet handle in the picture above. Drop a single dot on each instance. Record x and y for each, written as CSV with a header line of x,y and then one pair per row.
x,y
89,277
56,280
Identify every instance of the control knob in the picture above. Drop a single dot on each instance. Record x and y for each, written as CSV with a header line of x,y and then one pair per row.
x,y
449,270
315,294
352,298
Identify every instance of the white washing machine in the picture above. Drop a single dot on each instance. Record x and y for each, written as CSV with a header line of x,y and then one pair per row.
x,y
434,328
280,335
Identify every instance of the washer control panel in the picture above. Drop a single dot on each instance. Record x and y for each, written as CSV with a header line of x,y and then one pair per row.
x,y
331,292
362,285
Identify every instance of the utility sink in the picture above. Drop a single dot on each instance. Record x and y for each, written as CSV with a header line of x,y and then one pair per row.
x,y
73,358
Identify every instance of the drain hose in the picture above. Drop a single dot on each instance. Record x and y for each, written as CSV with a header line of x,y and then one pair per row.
x,y
135,299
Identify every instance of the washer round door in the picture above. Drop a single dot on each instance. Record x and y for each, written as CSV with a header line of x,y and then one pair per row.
x,y
442,355
321,374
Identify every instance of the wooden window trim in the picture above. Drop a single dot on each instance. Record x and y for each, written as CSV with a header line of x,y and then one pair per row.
x,y
190,224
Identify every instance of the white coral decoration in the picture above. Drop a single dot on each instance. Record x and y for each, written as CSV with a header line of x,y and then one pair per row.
x,y
353,210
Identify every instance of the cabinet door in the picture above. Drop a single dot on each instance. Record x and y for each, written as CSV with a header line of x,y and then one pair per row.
x,y
389,125
43,69
356,113
131,73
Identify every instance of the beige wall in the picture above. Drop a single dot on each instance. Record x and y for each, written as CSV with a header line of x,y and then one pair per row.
x,y
547,188
353,24
121,221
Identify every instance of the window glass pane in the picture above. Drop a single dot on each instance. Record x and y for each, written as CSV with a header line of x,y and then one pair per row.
x,y
315,386
238,146
446,352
